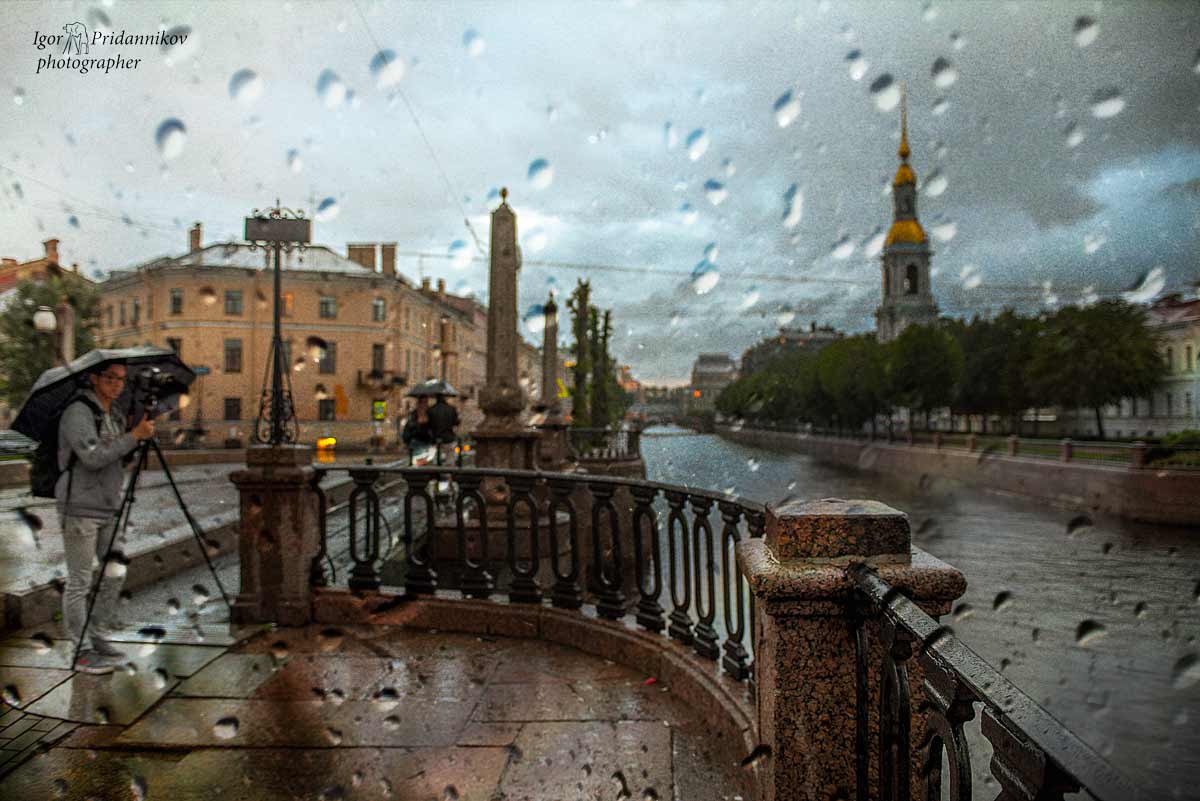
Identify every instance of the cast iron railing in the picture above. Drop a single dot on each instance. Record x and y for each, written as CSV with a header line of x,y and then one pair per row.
x,y
604,444
678,561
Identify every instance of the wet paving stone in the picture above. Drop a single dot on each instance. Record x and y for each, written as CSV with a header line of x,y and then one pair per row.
x,y
600,700
490,734
116,698
215,634
229,676
329,677
24,685
546,662
36,653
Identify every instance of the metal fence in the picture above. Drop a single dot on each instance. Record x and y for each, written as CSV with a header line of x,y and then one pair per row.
x,y
604,444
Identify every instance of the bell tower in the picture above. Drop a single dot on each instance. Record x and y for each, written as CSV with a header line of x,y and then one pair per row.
x,y
907,291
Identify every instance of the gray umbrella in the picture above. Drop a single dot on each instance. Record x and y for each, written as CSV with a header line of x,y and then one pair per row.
x,y
55,387
434,386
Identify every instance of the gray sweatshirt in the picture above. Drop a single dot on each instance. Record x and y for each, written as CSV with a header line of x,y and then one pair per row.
x,y
98,473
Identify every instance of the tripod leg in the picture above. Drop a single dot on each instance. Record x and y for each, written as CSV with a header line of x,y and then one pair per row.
x,y
124,509
196,532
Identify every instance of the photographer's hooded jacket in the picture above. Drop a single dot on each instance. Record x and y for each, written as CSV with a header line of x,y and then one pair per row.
x,y
98,472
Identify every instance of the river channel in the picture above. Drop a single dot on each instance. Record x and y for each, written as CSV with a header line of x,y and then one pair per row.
x,y
1131,689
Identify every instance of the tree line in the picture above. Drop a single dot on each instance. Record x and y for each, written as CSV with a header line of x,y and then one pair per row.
x,y
1075,358
597,400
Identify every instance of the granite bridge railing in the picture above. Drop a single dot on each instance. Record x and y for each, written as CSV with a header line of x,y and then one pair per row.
x,y
821,615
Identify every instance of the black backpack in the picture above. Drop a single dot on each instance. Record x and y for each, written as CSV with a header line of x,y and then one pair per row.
x,y
44,471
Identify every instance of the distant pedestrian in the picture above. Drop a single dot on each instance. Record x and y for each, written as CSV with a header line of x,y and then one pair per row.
x,y
443,418
418,433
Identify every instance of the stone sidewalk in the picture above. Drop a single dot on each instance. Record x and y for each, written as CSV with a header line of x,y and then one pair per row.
x,y
348,712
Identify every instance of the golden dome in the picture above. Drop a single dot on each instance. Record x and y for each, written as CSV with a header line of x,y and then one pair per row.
x,y
904,175
905,231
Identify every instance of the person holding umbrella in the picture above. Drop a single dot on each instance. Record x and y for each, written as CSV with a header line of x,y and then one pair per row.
x,y
418,434
90,451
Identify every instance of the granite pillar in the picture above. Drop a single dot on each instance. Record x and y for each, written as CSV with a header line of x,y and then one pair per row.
x,y
553,449
805,621
278,536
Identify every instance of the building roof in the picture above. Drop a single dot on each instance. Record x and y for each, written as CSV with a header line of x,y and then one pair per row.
x,y
906,231
1172,309
314,258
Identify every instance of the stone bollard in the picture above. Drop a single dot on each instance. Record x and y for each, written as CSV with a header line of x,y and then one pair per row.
x,y
1137,455
278,536
1013,447
1065,449
937,440
805,666
971,443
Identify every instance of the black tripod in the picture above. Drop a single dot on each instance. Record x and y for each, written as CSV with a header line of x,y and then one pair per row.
x,y
143,455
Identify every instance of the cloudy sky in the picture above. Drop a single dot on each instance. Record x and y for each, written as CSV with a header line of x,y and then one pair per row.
x,y
715,169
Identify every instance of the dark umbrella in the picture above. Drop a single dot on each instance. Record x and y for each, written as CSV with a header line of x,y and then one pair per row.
x,y
432,387
55,387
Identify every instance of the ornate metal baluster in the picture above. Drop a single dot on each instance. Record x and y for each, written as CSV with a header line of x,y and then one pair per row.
x,y
477,582
862,699
649,612
948,705
736,659
524,588
610,601
706,586
756,525
895,715
1020,767
420,578
681,620
316,575
567,594
364,575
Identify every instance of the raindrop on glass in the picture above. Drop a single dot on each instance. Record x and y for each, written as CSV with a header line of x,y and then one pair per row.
x,y
387,69
697,144
929,12
957,41
940,106
843,248
294,162
1073,135
750,298
18,96
1147,287
885,92
535,319
793,206
60,788
728,166
944,232
327,210
245,86
11,695
170,137
450,793
715,191
785,315
936,183
688,213
460,254
184,46
1077,522
753,464
137,786
200,595
1186,672
160,678
962,612
334,736
873,245
1086,31
787,109
331,89
473,42
944,73
1088,632
173,606
225,728
1093,242
1002,600
705,277
541,173
535,240
42,642
1107,103
98,20
857,64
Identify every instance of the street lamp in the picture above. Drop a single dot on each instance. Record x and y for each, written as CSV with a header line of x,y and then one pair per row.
x,y
44,320
60,323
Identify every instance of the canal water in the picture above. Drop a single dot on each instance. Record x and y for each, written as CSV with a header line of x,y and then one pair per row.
x,y
1097,623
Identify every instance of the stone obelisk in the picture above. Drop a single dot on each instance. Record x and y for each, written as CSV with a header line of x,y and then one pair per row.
x,y
553,451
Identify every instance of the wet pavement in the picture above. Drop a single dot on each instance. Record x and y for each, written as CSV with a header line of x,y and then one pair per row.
x,y
204,709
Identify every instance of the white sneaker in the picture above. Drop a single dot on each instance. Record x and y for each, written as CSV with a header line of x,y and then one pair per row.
x,y
91,662
106,648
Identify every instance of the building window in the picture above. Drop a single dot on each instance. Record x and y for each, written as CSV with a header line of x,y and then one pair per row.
x,y
233,301
325,409
1170,404
379,310
176,301
328,362
108,316
136,312
175,344
233,355
233,408
377,358
1170,360
328,307
1188,354
910,280
289,304
1187,404
122,310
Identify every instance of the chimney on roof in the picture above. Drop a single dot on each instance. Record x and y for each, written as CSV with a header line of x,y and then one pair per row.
x,y
387,259
51,246
441,288
195,234
363,255
75,267
425,286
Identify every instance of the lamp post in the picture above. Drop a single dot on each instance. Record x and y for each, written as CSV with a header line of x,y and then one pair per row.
x,y
444,344
59,322
280,230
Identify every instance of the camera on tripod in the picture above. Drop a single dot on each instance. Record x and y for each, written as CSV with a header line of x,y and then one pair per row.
x,y
149,386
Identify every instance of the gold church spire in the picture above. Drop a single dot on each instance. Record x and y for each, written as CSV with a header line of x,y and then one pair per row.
x,y
905,174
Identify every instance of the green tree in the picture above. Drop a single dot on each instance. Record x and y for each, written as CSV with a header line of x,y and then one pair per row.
x,y
24,353
852,373
1088,358
925,368
1015,339
580,305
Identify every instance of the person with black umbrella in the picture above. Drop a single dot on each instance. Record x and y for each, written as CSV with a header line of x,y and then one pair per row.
x,y
92,442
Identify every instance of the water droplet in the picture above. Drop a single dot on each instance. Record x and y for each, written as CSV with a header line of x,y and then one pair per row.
x,y
473,43
929,12
1186,672
885,92
1086,31
184,46
450,793
334,792
938,636
715,191
18,96
137,786
172,606
873,244
245,86
170,137
330,639
327,210
1147,287
957,40
116,567
1141,609
752,464
460,254
160,678
936,183
1088,632
98,20
541,173
1077,522
11,695
200,595
793,206
331,89
705,277
688,213
60,788
225,728
697,144
750,298
334,736
73,221
787,109
676,319
728,166
944,232
785,315
42,642
618,778
1093,242
1002,600
387,69
843,248
294,162
535,240
944,73
962,612
940,106
1073,135
1107,103
857,64
535,319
